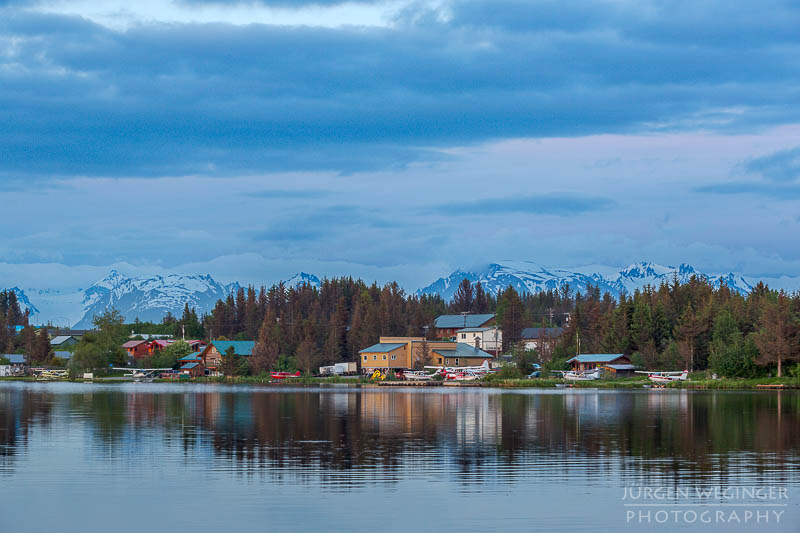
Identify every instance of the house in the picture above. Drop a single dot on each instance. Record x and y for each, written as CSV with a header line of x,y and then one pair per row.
x,y
16,366
533,338
488,338
63,341
196,345
193,357
138,349
589,361
194,369
64,355
402,352
445,326
212,354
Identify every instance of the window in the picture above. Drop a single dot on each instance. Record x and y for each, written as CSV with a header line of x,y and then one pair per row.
x,y
463,335
365,358
447,361
374,357
456,361
394,357
440,360
384,357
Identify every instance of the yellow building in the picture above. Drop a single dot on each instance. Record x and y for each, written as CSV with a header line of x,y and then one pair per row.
x,y
403,352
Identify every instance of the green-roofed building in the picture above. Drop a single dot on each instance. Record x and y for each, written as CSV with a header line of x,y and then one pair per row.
x,y
212,354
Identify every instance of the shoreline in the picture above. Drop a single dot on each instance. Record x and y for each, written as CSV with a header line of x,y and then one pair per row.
x,y
754,384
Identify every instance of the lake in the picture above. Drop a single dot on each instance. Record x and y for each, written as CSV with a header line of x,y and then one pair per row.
x,y
180,457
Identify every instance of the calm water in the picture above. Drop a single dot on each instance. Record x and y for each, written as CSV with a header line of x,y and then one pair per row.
x,y
150,457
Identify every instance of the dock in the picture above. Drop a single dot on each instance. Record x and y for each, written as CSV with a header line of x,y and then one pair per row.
x,y
410,383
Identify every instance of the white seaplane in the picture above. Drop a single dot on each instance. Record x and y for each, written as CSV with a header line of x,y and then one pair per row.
x,y
142,374
584,375
665,377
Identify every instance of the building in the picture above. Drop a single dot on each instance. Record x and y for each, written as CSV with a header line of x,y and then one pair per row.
x,y
590,361
446,326
62,341
194,369
193,357
533,338
488,338
138,349
64,355
394,353
16,364
212,353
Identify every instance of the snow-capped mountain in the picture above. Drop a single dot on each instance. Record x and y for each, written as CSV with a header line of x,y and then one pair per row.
x,y
150,298
24,302
528,277
302,278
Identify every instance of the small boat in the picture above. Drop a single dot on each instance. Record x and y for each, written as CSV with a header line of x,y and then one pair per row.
x,y
285,375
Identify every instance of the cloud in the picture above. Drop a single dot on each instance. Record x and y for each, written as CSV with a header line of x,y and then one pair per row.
x,y
768,190
282,194
781,166
559,204
217,99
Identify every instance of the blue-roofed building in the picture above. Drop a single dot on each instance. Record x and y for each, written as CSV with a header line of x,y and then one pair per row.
x,y
16,364
194,369
212,354
446,326
589,361
66,356
192,357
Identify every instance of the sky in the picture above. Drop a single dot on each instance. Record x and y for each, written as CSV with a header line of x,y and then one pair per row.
x,y
395,140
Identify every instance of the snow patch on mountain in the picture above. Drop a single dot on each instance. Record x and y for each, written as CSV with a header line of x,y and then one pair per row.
x,y
24,301
302,278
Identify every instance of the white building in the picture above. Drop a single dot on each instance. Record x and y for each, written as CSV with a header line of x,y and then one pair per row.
x,y
489,339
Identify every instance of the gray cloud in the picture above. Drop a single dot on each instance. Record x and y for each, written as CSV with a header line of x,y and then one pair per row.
x,y
781,166
766,189
560,204
218,99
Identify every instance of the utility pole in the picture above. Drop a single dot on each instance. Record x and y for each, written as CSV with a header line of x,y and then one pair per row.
x,y
183,331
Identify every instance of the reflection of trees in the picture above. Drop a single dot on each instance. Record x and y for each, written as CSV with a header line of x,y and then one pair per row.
x,y
20,412
348,436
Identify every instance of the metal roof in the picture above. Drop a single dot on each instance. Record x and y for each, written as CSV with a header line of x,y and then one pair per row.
x,y
473,330
194,356
463,349
189,366
14,358
131,344
63,355
384,347
62,339
538,333
621,367
239,347
462,321
596,357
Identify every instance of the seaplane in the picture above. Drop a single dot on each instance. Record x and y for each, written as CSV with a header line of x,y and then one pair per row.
x,y
665,377
142,374
463,373
284,375
573,375
46,374
417,375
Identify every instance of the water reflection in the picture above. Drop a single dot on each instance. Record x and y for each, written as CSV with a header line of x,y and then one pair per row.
x,y
700,435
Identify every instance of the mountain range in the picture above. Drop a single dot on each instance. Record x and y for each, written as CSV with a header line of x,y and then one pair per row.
x,y
527,277
150,298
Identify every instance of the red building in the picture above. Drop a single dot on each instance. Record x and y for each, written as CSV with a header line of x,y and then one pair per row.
x,y
138,349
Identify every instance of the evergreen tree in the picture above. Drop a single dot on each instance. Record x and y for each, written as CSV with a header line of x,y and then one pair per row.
x,y
463,299
510,317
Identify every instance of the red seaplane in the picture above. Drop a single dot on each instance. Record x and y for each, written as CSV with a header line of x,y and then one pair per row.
x,y
284,375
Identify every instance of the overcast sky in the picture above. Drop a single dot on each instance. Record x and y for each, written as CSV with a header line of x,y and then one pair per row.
x,y
395,140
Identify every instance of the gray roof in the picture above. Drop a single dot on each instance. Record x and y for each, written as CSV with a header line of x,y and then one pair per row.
x,y
621,367
464,350
381,348
538,333
63,354
62,339
596,357
189,366
462,321
473,330
14,358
